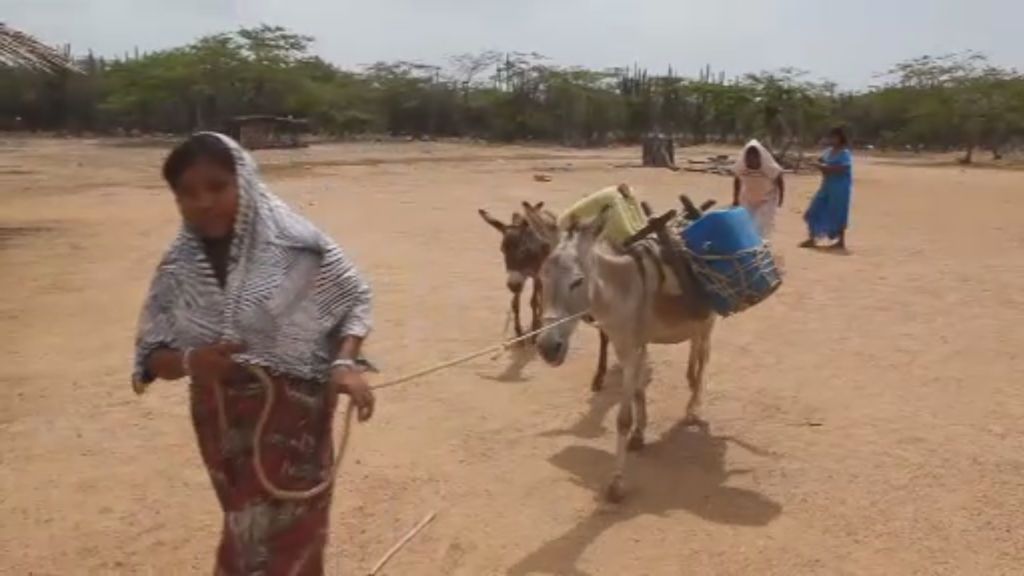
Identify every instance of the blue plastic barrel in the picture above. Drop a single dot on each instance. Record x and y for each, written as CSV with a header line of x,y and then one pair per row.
x,y
730,259
722,233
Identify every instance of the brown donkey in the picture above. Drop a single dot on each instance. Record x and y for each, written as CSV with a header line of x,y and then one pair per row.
x,y
525,244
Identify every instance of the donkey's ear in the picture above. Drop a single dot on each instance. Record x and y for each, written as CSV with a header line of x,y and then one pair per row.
x,y
543,225
494,222
532,207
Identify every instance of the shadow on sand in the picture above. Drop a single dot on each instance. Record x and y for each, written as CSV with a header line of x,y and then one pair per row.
x,y
518,356
591,424
684,470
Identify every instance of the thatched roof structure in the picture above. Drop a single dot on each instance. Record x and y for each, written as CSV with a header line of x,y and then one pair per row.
x,y
23,51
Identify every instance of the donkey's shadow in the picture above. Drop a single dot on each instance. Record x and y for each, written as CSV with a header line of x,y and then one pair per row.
x,y
591,423
519,357
684,470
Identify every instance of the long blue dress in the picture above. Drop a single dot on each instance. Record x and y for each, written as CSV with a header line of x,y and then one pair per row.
x,y
829,212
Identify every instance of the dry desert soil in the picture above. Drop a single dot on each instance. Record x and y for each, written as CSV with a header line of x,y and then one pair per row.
x,y
867,419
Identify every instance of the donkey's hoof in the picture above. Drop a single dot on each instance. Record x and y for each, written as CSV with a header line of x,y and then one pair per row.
x,y
616,491
695,421
636,443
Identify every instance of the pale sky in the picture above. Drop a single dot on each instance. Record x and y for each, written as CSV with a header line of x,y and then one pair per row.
x,y
843,41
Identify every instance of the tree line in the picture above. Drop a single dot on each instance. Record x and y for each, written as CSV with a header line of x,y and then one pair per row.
x,y
958,101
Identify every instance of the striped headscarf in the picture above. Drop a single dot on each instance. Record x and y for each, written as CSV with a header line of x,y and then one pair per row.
x,y
290,293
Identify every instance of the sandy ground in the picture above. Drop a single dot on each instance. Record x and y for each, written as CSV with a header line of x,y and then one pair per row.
x,y
868,419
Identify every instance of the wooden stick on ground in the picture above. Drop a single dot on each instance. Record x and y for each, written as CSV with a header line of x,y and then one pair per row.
x,y
401,543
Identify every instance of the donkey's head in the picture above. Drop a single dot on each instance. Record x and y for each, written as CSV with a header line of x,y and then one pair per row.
x,y
522,247
565,276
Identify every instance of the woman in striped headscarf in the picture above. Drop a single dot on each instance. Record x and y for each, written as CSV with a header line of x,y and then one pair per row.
x,y
248,282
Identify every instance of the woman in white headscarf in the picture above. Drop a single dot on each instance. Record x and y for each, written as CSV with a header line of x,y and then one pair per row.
x,y
759,186
250,282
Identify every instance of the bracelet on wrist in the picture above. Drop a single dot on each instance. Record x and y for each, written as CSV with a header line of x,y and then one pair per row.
x,y
345,364
186,362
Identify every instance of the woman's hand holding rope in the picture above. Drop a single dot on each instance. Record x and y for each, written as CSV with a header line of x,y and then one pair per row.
x,y
351,380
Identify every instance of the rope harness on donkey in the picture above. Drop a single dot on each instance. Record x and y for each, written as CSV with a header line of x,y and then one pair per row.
x,y
666,247
733,281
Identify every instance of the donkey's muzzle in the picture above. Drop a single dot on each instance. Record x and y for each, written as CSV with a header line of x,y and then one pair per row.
x,y
552,351
515,282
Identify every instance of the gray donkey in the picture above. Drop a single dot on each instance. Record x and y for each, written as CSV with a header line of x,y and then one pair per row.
x,y
525,244
626,294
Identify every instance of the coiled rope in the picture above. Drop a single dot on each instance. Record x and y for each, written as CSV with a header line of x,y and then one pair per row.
x,y
343,437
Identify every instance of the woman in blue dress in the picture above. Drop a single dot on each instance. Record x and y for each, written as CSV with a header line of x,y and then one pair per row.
x,y
829,212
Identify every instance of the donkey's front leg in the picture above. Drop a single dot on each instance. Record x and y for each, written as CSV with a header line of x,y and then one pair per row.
x,y
535,307
516,296
602,363
624,424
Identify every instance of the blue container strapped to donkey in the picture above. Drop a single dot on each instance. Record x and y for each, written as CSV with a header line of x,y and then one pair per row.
x,y
732,263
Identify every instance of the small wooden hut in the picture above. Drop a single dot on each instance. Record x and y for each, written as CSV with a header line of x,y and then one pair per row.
x,y
659,151
263,131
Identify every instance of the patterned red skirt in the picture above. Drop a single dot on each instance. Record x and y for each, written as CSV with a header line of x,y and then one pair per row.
x,y
262,535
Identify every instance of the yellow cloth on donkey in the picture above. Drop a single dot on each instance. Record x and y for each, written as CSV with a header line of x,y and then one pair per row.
x,y
625,218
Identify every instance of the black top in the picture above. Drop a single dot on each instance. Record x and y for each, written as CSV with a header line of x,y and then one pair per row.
x,y
218,253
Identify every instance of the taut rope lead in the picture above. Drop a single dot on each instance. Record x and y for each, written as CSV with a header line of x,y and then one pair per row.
x,y
268,387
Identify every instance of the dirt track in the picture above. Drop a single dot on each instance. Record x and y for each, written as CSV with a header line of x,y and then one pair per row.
x,y
869,419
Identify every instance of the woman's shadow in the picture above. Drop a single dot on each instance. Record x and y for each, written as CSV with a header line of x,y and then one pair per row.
x,y
684,470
